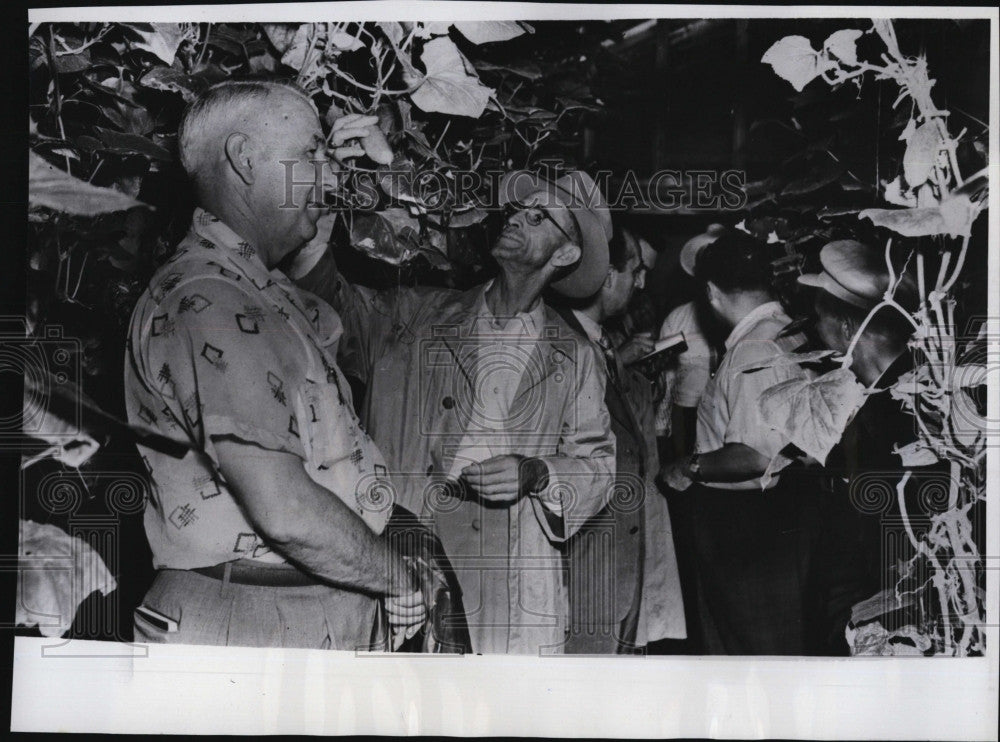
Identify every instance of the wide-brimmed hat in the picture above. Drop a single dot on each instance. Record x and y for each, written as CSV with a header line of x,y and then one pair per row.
x,y
689,253
579,194
852,271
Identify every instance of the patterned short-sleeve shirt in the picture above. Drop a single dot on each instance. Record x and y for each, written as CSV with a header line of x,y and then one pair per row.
x,y
220,346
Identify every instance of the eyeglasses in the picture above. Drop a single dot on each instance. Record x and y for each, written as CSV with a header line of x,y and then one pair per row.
x,y
533,215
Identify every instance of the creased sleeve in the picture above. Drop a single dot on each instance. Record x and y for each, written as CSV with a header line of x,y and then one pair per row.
x,y
581,473
746,424
367,314
224,364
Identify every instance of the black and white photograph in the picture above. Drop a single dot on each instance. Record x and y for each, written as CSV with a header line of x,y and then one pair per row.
x,y
628,353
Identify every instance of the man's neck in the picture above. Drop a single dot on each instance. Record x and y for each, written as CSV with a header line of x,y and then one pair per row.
x,y
595,312
512,293
236,214
747,302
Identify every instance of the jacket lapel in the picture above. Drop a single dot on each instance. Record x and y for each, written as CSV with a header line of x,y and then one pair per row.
x,y
618,405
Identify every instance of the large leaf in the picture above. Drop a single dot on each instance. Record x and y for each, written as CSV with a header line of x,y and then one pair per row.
x,y
915,454
393,30
447,86
484,32
281,34
794,59
812,413
68,63
922,150
527,70
131,144
173,81
954,217
295,54
56,189
161,39
844,45
818,177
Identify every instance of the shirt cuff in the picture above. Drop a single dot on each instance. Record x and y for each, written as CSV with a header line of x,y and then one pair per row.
x,y
551,501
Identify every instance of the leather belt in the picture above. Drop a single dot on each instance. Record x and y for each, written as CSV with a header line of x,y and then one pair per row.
x,y
242,573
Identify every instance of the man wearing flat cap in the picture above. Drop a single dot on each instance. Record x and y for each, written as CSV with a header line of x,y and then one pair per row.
x,y
853,281
489,409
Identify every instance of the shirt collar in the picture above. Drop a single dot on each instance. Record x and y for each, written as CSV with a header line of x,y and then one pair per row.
x,y
533,320
210,227
749,320
592,328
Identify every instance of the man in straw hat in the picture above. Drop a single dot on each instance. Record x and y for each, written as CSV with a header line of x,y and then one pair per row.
x,y
851,566
489,409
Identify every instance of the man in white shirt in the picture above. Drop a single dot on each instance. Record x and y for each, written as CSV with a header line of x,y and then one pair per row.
x,y
685,380
750,543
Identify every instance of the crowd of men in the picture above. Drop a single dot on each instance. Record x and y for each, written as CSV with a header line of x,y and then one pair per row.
x,y
501,487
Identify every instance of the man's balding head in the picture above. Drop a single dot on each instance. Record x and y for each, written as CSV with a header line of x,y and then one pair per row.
x,y
225,108
256,153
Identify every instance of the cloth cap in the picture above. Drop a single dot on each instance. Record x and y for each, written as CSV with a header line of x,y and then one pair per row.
x,y
578,192
689,253
852,272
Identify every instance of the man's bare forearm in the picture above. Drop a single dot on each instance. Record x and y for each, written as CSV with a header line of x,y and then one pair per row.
x,y
734,462
308,524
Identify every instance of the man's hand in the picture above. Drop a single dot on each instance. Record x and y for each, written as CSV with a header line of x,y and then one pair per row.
x,y
635,348
405,606
675,475
369,139
503,479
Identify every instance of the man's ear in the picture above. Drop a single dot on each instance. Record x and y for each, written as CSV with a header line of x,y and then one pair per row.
x,y
238,154
565,255
847,330
712,291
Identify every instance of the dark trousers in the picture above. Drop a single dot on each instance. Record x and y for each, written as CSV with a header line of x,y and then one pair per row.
x,y
752,559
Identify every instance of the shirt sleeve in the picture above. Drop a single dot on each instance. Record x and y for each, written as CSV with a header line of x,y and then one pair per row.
x,y
746,424
692,378
581,473
224,364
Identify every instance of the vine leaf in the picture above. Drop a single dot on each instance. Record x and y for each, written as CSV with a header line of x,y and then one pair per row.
x,y
393,30
922,150
161,39
794,59
916,454
844,45
813,413
448,87
281,35
56,189
527,70
173,81
484,32
953,217
345,42
295,54
131,144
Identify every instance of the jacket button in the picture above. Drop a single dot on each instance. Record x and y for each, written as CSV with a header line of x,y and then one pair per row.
x,y
475,524
447,403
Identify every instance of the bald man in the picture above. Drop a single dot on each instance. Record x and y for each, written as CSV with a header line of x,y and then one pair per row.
x,y
269,532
